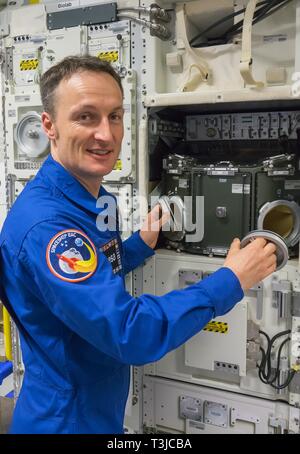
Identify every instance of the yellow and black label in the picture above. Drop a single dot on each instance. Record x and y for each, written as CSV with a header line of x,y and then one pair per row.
x,y
217,327
110,56
29,65
118,165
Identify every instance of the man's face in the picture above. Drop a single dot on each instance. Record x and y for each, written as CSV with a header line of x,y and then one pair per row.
x,y
87,130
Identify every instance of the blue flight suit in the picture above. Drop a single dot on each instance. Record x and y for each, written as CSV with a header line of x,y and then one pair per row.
x,y
80,329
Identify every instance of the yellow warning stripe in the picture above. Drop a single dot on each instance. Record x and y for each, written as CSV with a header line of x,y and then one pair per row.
x,y
217,327
118,165
26,65
110,56
7,335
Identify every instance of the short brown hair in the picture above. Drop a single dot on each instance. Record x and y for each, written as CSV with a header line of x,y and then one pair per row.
x,y
64,70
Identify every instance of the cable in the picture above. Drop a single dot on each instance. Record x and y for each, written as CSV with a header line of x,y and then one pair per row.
x,y
278,358
291,374
259,15
265,369
137,9
276,375
277,369
221,21
237,28
276,8
136,19
154,10
159,30
265,9
265,358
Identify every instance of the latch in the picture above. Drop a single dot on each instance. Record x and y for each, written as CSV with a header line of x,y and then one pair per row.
x,y
280,425
296,303
223,168
279,165
281,297
258,289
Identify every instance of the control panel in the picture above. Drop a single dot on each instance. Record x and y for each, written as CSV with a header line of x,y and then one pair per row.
x,y
243,126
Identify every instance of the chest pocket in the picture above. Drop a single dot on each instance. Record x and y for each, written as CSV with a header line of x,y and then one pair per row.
x,y
113,252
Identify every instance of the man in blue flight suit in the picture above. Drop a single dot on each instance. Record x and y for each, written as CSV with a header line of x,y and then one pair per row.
x,y
63,279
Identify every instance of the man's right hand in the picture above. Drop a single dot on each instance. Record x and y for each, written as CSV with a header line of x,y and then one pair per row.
x,y
252,263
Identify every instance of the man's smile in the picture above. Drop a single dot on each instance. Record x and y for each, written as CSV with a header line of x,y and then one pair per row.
x,y
99,152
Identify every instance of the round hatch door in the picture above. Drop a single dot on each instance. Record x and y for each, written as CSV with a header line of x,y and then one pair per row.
x,y
281,217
